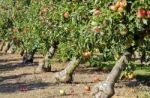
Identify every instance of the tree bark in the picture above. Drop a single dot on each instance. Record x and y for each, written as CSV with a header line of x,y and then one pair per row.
x,y
6,47
66,74
28,56
105,89
44,64
21,52
143,59
12,48
2,45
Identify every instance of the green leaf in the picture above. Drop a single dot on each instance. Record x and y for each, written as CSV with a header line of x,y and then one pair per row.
x,y
144,21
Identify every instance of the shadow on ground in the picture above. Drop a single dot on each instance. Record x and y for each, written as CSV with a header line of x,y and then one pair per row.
x,y
13,87
9,60
12,77
65,95
140,80
11,84
12,66
144,79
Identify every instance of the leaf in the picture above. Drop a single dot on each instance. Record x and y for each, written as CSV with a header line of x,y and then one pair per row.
x,y
144,21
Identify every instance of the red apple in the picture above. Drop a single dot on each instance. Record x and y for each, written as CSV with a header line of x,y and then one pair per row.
x,y
141,12
96,12
23,88
148,14
120,9
97,30
66,14
87,88
96,79
113,7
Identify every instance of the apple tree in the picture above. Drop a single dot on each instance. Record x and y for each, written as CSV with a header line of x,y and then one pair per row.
x,y
125,24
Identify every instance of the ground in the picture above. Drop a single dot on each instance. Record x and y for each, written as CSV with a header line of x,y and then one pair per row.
x,y
20,81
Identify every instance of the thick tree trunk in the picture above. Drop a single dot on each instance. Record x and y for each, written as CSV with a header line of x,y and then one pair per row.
x,y
66,74
6,47
143,58
44,64
105,89
28,56
21,52
12,48
2,45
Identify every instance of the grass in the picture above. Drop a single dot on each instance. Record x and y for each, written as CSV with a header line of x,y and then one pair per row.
x,y
142,71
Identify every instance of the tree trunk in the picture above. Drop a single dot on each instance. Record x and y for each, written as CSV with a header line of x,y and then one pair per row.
x,y
6,47
12,48
28,56
66,74
2,45
143,59
105,89
44,64
21,52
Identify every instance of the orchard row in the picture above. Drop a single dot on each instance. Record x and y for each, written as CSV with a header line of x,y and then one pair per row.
x,y
77,30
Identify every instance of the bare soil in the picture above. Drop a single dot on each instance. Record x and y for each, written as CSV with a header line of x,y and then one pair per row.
x,y
19,80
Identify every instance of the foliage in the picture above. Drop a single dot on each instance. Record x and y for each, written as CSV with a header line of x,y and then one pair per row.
x,y
80,26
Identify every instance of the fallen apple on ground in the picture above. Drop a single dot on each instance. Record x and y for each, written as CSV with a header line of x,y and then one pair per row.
x,y
96,79
62,92
87,88
86,54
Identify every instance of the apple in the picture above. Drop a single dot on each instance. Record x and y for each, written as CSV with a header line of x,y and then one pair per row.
x,y
141,12
96,79
113,7
120,9
97,30
87,88
66,14
148,14
86,54
62,92
23,88
96,12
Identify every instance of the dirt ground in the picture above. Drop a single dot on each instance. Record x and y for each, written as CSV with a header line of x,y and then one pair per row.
x,y
18,80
